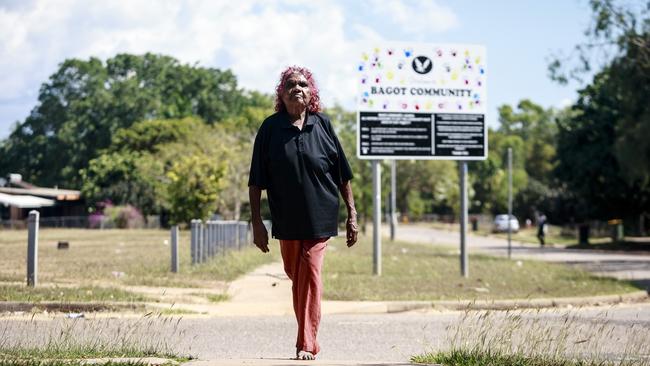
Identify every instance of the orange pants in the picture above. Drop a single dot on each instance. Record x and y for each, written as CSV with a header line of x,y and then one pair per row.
x,y
303,260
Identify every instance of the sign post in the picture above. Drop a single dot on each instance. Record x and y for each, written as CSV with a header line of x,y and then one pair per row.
x,y
376,228
421,101
393,199
462,173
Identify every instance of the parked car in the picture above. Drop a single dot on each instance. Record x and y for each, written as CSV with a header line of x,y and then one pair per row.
x,y
501,224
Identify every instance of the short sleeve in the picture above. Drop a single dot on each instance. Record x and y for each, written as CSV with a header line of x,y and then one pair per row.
x,y
258,175
341,171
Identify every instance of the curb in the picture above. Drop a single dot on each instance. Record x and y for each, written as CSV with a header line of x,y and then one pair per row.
x,y
637,296
362,307
16,306
293,362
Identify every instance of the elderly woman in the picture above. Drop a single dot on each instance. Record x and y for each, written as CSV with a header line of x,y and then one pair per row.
x,y
298,159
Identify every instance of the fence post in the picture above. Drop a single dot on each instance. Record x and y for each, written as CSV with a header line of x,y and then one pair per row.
x,y
222,239
215,237
208,238
32,248
211,236
193,240
201,242
174,246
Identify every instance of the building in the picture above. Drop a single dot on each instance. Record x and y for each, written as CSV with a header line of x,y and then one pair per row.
x,y
57,207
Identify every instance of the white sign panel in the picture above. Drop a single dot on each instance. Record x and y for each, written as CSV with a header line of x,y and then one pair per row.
x,y
422,101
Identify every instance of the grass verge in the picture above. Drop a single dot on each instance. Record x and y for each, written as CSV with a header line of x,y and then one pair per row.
x,y
120,257
541,338
67,294
476,358
25,341
420,272
78,352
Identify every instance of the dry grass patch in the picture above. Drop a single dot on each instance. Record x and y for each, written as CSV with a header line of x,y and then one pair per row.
x,y
120,257
421,272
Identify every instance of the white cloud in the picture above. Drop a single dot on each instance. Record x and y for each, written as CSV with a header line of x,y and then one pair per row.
x,y
255,38
564,103
420,18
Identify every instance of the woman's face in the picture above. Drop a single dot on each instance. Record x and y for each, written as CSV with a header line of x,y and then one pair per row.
x,y
296,92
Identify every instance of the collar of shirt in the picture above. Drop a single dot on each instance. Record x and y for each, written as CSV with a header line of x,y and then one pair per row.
x,y
310,121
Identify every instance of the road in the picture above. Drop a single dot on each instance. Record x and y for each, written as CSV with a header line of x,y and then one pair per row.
x,y
611,331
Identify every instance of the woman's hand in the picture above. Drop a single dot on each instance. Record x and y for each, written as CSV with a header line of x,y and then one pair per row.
x,y
351,229
261,236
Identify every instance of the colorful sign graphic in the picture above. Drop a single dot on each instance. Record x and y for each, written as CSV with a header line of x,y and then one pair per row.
x,y
422,101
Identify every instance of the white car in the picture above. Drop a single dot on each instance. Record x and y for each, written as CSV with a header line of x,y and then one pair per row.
x,y
501,224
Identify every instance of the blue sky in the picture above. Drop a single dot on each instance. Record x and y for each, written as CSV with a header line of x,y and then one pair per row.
x,y
257,39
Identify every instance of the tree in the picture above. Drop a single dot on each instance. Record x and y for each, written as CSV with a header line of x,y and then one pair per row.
x,y
239,136
86,101
587,163
131,170
195,182
490,177
613,113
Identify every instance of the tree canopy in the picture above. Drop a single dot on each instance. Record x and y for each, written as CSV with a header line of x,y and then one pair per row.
x,y
86,101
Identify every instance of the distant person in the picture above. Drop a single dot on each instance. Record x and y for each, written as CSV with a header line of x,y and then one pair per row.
x,y
298,159
541,229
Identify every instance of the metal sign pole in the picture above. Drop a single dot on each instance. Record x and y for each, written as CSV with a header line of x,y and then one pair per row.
x,y
393,199
464,265
376,230
509,202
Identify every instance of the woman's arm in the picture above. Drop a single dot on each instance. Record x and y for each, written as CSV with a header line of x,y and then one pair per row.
x,y
260,235
351,227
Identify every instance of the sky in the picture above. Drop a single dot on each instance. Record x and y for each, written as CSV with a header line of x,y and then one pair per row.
x,y
256,39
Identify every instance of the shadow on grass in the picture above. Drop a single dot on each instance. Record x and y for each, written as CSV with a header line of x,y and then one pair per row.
x,y
640,245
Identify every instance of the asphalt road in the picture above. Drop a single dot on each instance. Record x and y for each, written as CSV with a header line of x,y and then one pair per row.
x,y
608,331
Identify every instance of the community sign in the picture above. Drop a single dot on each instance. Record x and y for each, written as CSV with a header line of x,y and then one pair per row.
x,y
422,101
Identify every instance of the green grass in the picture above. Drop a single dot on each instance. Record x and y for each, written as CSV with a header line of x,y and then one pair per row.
x,y
78,339
169,311
120,257
39,362
55,352
67,294
217,297
420,272
540,338
477,358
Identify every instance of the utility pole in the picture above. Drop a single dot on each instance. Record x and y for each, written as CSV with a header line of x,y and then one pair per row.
x,y
509,202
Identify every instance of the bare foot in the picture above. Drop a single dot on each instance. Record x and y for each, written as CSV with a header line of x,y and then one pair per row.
x,y
304,355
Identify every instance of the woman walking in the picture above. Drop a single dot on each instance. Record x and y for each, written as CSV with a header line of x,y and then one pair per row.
x,y
298,159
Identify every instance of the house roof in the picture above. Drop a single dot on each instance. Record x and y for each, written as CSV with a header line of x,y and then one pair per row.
x,y
25,201
58,194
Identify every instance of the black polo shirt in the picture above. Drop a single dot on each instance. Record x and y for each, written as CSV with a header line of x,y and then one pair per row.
x,y
301,171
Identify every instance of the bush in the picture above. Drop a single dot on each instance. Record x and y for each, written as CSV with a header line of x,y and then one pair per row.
x,y
125,217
